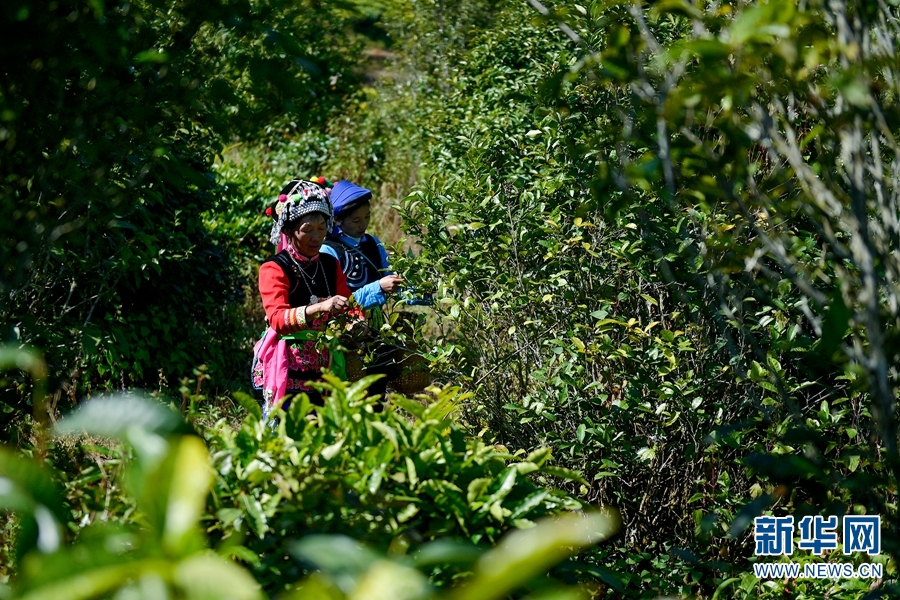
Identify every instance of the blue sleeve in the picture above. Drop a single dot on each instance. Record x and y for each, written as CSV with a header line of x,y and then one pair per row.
x,y
370,295
385,262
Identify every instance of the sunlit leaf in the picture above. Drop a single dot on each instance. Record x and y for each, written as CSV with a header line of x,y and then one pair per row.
x,y
117,414
524,554
211,577
190,481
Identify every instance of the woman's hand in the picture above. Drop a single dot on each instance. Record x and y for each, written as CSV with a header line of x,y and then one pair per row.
x,y
334,304
390,284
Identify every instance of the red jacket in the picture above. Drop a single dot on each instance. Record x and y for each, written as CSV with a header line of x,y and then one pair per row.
x,y
274,287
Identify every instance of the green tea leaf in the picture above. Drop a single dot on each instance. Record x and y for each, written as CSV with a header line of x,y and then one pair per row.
x,y
564,473
524,554
115,415
249,404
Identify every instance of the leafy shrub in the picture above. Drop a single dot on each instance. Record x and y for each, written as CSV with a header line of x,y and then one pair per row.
x,y
112,116
350,569
156,547
631,238
751,208
563,315
386,478
159,551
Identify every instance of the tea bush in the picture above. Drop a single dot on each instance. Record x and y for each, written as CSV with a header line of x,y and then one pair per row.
x,y
160,550
571,340
642,236
662,238
395,479
392,480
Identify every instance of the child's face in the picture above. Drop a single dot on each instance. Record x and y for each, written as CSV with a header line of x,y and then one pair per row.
x,y
355,223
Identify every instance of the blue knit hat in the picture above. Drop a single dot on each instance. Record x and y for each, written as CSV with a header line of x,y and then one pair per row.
x,y
346,196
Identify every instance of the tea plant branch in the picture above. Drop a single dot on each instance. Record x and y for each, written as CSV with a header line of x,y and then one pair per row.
x,y
30,360
502,361
570,33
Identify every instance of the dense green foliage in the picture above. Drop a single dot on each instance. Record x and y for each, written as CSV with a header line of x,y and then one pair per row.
x,y
158,550
380,477
662,258
663,240
112,115
391,478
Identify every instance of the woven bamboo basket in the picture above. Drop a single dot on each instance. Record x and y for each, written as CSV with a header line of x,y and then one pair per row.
x,y
414,376
353,364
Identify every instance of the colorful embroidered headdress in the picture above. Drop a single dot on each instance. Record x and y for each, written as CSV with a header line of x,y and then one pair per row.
x,y
298,198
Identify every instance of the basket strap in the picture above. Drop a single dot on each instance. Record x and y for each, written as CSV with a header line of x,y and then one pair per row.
x,y
303,335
